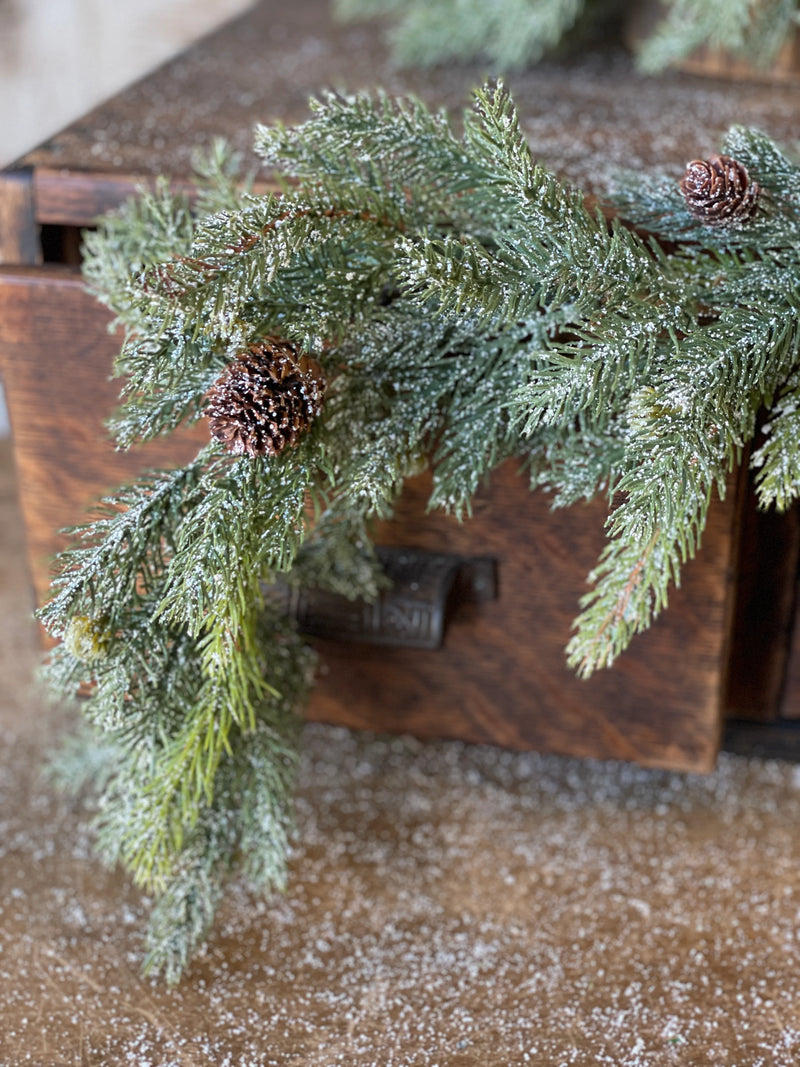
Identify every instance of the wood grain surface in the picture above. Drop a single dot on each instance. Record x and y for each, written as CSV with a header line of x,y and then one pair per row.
x,y
79,198
501,675
19,241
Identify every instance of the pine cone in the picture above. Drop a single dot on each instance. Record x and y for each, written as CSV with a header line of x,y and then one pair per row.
x,y
266,399
718,191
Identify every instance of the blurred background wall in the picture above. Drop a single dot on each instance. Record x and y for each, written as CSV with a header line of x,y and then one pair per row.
x,y
59,58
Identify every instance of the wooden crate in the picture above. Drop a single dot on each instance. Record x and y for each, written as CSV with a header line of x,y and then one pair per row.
x,y
500,676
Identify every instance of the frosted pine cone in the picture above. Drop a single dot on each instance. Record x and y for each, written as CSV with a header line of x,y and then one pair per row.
x,y
718,191
266,399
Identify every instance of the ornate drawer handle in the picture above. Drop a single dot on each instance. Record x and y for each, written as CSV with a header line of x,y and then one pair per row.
x,y
411,614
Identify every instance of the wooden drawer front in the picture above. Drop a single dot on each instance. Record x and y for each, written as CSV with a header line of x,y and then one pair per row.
x,y
501,676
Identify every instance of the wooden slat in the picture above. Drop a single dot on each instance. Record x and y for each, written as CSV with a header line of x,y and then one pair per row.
x,y
501,676
19,242
78,198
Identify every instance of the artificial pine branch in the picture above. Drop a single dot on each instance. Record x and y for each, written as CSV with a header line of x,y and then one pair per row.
x,y
513,34
750,31
510,33
462,306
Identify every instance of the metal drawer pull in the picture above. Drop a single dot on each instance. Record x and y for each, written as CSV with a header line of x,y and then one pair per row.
x,y
411,614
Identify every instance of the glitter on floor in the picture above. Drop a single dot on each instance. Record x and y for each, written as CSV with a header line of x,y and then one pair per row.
x,y
448,905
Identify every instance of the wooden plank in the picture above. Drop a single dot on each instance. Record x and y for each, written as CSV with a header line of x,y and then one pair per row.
x,y
55,360
716,63
501,675
78,198
19,239
72,198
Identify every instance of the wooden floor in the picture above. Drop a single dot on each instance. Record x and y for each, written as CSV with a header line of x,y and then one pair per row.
x,y
451,905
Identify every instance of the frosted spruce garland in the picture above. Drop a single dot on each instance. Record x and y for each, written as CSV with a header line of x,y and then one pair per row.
x,y
512,34
420,298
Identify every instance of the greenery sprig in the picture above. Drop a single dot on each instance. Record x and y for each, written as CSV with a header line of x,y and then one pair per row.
x,y
463,305
512,34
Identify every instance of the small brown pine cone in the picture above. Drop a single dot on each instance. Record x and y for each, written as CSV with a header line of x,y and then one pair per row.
x,y
718,191
266,399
